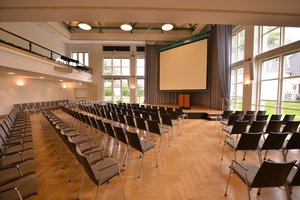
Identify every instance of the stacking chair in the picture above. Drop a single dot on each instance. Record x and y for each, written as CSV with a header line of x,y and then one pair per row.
x,y
99,172
153,127
261,117
275,117
250,112
114,116
109,131
121,136
130,121
294,178
181,114
222,118
145,115
292,143
121,118
141,145
273,126
288,118
291,126
274,141
154,116
261,112
137,113
167,121
269,174
239,127
249,118
247,141
239,112
257,126
229,123
140,123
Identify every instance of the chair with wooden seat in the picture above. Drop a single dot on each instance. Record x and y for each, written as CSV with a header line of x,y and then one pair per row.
x,y
141,145
269,174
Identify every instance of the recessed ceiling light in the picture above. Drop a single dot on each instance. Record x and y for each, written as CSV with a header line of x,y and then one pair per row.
x,y
84,26
167,27
60,80
41,77
11,73
79,83
126,27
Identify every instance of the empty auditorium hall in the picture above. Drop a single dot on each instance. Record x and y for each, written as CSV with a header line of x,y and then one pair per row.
x,y
149,100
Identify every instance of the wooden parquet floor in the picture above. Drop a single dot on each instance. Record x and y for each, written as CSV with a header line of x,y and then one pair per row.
x,y
190,169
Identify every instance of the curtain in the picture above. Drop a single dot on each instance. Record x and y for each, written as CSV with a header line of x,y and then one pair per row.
x,y
218,73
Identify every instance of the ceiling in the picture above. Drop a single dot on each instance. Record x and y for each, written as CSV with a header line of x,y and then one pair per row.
x,y
147,16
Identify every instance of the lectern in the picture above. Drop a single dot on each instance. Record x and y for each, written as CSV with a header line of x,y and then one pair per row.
x,y
184,101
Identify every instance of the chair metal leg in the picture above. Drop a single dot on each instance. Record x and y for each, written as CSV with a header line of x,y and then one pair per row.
x,y
230,172
288,192
248,190
220,137
122,184
139,172
98,186
223,151
259,156
244,157
159,143
81,184
155,156
126,156
284,154
265,154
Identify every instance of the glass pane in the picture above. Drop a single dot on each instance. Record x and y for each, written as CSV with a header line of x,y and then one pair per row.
x,y
291,89
239,104
140,90
269,110
268,28
295,112
125,67
291,34
74,56
117,90
291,65
107,66
140,67
292,105
269,90
116,66
239,88
107,90
270,69
241,37
240,75
125,91
271,40
80,58
233,76
86,59
232,90
240,52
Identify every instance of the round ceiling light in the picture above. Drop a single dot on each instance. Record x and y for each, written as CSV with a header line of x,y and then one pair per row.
x,y
167,27
84,26
126,27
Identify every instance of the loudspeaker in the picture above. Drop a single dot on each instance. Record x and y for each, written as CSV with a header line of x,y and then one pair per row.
x,y
251,71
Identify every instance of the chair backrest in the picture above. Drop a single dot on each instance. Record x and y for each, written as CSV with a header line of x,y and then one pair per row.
x,y
261,112
273,126
137,113
109,129
226,114
114,116
233,118
293,142
130,121
145,115
107,114
248,141
154,116
134,140
121,118
94,122
129,112
257,126
274,141
140,123
261,117
120,134
153,127
250,112
166,119
173,114
272,174
288,118
239,127
100,125
291,126
275,117
239,112
249,118
162,110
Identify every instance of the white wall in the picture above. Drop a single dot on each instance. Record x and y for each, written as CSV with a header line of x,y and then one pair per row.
x,y
38,32
33,91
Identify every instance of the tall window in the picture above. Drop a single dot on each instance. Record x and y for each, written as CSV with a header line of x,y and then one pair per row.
x,y
236,90
82,57
273,36
238,46
116,73
269,85
140,73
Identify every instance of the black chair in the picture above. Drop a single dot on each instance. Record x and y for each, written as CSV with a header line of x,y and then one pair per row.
x,y
292,143
294,178
247,141
275,117
288,118
145,115
154,116
274,141
114,116
250,112
257,126
249,118
261,117
121,118
273,126
121,136
291,126
137,113
140,123
230,122
141,145
153,127
238,128
261,112
130,121
269,174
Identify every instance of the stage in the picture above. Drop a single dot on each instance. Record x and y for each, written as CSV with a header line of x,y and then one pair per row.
x,y
198,112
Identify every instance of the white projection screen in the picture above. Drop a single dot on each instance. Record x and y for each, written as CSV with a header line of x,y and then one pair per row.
x,y
184,67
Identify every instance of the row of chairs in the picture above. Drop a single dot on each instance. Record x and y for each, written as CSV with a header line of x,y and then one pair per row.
x,y
17,168
36,106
